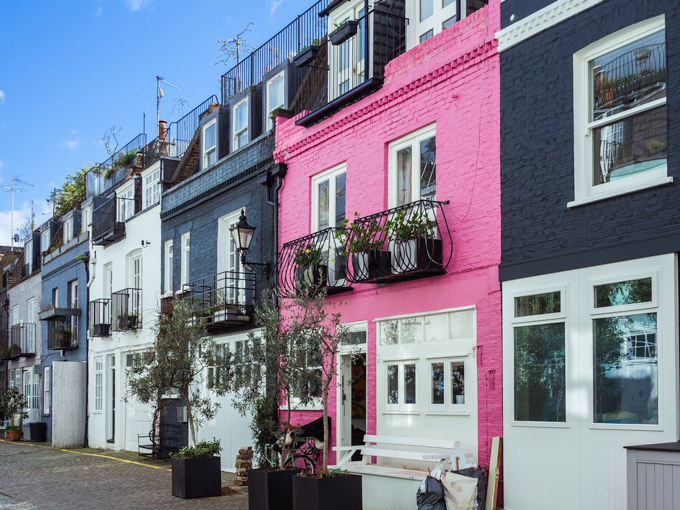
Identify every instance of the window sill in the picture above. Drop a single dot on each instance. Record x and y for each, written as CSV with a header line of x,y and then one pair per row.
x,y
659,181
448,413
541,424
412,413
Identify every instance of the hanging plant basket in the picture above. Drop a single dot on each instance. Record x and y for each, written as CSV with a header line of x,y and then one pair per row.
x,y
306,56
343,32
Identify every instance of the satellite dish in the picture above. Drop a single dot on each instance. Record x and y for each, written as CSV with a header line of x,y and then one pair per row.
x,y
16,238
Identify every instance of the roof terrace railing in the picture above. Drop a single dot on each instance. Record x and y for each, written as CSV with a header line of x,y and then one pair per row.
x,y
106,175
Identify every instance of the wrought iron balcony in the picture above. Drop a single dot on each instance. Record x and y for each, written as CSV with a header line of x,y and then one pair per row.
x,y
404,243
100,317
62,332
108,220
224,300
126,309
106,175
315,261
22,340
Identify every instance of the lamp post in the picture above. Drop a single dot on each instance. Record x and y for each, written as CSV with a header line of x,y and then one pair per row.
x,y
242,233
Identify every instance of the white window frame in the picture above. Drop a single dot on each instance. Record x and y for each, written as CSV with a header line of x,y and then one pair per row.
x,y
45,239
245,129
55,297
47,389
411,140
28,254
329,175
355,69
73,288
447,407
279,78
416,28
212,150
228,258
68,230
98,384
126,206
584,190
85,219
185,250
314,404
169,268
152,187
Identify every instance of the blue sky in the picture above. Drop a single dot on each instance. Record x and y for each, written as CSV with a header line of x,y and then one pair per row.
x,y
72,69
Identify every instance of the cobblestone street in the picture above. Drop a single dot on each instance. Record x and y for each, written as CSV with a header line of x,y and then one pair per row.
x,y
36,476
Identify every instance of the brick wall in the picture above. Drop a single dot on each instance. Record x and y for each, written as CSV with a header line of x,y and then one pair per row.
x,y
451,80
520,9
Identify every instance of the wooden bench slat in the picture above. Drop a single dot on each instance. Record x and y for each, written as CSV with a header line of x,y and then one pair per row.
x,y
401,454
409,441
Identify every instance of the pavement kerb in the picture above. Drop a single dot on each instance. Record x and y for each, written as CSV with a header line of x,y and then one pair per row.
x,y
83,453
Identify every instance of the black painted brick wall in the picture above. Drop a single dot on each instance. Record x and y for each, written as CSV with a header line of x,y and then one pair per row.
x,y
537,162
520,9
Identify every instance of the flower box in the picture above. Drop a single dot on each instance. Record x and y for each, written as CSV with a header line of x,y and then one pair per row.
x,y
343,32
306,56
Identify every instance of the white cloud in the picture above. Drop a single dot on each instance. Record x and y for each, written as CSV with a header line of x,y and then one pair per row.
x,y
137,5
70,144
273,5
22,214
2,97
99,11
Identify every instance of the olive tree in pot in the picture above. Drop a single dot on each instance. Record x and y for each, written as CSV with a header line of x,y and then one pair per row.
x,y
180,354
14,404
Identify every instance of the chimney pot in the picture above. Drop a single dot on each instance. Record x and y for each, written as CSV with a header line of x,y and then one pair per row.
x,y
162,129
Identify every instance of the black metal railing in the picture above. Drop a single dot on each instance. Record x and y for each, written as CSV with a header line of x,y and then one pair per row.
x,y
106,175
126,309
23,335
225,299
175,141
100,317
350,62
108,219
406,242
62,333
306,30
315,261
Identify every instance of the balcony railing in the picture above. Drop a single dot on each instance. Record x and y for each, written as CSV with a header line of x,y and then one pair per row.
x,y
175,141
302,32
315,261
408,242
23,336
106,175
350,62
223,300
108,220
62,332
100,317
126,309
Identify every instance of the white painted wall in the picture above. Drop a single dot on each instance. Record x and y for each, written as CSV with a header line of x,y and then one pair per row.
x,y
68,403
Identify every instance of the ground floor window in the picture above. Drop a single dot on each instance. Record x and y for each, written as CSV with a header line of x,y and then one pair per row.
x,y
47,389
98,384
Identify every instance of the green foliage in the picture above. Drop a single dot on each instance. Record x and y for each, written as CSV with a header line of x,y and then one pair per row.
x,y
71,193
361,236
124,159
308,256
405,227
202,449
264,425
13,404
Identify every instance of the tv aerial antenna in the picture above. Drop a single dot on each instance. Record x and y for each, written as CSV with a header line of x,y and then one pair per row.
x,y
16,186
159,95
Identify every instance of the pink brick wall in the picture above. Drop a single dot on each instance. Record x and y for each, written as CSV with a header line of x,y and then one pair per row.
x,y
452,80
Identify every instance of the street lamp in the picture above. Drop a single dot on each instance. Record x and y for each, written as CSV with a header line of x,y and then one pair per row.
x,y
243,236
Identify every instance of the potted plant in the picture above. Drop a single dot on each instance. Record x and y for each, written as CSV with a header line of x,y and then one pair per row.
x,y
307,54
365,241
343,31
64,337
126,321
196,471
14,404
310,269
102,330
412,242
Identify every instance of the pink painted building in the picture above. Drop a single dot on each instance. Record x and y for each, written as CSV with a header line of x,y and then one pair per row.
x,y
415,154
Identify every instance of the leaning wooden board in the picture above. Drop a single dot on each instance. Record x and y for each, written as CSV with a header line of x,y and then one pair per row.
x,y
494,473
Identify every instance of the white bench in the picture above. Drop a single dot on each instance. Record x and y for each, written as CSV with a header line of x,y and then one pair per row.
x,y
388,487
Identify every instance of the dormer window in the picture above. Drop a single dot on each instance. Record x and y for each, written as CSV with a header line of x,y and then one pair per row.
x,y
431,16
28,255
45,239
152,188
275,97
68,230
241,124
210,144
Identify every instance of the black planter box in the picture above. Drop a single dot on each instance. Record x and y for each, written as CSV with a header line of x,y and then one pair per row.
x,y
344,32
337,493
306,56
417,255
314,276
196,478
371,265
101,330
340,267
270,490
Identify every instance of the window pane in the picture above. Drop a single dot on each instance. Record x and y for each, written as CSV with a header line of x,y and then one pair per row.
x,y
355,338
324,188
242,139
446,2
457,382
426,9
437,383
241,117
426,36
392,384
404,176
210,136
631,146
462,324
428,169
411,330
539,373
340,198
437,327
624,293
410,384
629,76
276,93
626,369
538,304
449,22
389,333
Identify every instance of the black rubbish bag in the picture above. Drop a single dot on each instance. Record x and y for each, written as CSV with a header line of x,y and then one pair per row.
x,y
431,495
480,474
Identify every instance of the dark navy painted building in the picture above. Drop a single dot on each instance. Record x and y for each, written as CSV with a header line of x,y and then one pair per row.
x,y
590,111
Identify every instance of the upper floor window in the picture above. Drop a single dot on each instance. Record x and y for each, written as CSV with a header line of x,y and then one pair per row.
x,y
328,198
406,183
169,256
45,239
620,137
186,248
241,124
431,17
68,230
210,144
347,61
126,204
86,219
275,96
28,255
73,294
152,188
